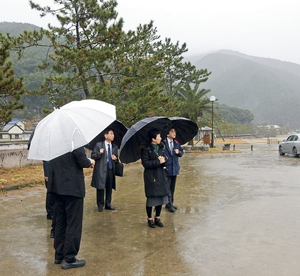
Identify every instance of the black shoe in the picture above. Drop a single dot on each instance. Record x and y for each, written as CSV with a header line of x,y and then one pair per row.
x,y
100,208
158,222
52,234
77,263
50,216
109,207
151,223
168,205
171,209
58,261
175,207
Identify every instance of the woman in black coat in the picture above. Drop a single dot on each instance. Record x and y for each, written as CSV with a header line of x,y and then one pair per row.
x,y
155,180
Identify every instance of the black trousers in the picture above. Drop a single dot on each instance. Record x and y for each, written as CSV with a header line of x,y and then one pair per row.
x,y
54,216
172,183
108,190
50,201
68,228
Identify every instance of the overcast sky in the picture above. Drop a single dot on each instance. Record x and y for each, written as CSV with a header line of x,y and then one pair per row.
x,y
263,28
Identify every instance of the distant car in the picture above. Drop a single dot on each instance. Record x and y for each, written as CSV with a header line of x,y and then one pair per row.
x,y
291,145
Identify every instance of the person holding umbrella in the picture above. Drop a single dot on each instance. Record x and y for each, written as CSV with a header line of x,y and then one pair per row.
x,y
173,152
60,138
66,181
155,181
105,153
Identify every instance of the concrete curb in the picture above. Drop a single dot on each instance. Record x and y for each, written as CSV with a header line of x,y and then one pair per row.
x,y
19,186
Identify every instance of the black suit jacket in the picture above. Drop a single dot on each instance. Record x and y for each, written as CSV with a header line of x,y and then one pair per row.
x,y
66,173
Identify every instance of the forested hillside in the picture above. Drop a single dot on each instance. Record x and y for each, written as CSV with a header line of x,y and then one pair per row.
x,y
268,88
26,67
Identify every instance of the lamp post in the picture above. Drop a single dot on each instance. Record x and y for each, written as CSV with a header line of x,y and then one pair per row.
x,y
212,99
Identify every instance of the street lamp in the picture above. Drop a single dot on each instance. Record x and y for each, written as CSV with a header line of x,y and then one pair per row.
x,y
212,99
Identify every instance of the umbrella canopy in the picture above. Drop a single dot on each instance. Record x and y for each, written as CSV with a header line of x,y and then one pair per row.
x,y
137,134
70,127
119,131
186,129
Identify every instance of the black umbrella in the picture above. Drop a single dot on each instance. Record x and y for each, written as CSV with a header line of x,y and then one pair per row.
x,y
137,134
119,131
186,129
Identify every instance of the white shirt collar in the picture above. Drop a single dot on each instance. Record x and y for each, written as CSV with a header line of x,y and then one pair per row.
x,y
169,140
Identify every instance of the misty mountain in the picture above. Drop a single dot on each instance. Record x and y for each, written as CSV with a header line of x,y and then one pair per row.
x,y
15,29
268,88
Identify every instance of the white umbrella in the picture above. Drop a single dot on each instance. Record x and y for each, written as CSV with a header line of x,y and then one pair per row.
x,y
70,127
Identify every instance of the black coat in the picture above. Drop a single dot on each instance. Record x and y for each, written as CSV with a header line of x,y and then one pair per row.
x,y
100,168
66,173
155,179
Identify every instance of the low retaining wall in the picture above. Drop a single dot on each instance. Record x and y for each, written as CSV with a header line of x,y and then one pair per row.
x,y
15,158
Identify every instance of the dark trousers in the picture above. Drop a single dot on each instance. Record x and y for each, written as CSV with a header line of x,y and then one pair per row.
x,y
108,190
68,228
50,202
172,183
54,216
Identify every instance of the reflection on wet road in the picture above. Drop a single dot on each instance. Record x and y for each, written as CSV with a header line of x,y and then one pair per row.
x,y
239,214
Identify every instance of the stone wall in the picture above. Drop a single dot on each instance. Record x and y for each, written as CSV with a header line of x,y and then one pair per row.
x,y
15,158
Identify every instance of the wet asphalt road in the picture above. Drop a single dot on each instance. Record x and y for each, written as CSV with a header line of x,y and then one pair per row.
x,y
239,214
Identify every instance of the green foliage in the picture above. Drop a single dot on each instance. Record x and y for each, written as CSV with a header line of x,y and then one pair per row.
x,y
91,57
11,88
235,115
193,101
25,64
229,121
82,47
178,74
140,77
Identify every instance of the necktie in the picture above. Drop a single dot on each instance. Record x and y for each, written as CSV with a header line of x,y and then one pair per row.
x,y
109,157
171,147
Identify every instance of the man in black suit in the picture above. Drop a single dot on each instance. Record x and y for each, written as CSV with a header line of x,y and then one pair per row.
x,y
66,181
105,154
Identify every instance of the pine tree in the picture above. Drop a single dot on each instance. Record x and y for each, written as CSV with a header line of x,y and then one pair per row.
x,y
11,88
93,57
83,46
178,73
139,78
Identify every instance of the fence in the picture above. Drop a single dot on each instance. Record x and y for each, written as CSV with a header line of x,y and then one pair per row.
x,y
272,141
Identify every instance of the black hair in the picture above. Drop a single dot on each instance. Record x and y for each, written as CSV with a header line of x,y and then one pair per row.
x,y
105,131
152,133
170,128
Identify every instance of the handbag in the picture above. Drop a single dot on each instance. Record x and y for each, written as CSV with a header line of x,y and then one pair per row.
x,y
119,168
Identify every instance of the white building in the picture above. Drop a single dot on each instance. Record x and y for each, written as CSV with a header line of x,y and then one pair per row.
x,y
14,130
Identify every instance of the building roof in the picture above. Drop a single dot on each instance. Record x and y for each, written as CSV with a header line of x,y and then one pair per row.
x,y
206,128
11,124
